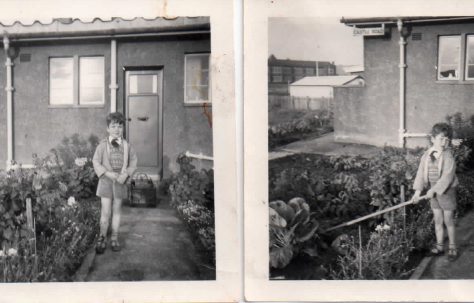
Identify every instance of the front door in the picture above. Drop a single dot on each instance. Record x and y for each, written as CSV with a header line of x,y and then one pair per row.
x,y
143,95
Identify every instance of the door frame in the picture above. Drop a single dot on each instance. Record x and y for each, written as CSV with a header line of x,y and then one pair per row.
x,y
146,70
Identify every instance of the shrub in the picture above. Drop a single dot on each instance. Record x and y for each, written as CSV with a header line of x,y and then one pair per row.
x,y
192,194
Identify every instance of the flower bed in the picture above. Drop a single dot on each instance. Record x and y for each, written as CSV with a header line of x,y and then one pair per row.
x,y
48,243
192,195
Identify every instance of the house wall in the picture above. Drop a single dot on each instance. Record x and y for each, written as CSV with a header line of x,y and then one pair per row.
x,y
38,127
376,116
185,128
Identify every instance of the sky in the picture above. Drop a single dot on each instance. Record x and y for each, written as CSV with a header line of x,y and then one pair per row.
x,y
315,39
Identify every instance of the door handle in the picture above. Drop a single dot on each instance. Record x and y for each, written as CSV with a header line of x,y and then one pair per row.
x,y
142,118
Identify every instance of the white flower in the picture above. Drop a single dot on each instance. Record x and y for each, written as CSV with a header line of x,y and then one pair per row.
x,y
12,252
456,142
71,201
386,227
378,228
2,253
80,161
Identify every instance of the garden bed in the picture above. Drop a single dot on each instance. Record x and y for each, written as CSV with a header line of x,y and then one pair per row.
x,y
339,189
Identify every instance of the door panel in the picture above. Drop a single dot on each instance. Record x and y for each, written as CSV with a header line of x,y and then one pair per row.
x,y
143,108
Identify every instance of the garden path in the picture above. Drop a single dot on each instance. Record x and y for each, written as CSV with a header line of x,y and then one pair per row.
x,y
463,267
324,145
156,246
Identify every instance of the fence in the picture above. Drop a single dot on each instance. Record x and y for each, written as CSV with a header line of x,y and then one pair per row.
x,y
298,103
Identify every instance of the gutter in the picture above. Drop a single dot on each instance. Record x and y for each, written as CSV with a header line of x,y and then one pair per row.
x,y
406,20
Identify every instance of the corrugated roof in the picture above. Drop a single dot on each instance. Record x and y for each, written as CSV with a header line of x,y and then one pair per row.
x,y
116,25
325,80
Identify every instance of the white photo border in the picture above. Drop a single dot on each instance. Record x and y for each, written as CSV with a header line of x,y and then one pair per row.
x,y
258,287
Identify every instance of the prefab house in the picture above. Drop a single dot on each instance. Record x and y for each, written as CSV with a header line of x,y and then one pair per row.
x,y
417,71
65,76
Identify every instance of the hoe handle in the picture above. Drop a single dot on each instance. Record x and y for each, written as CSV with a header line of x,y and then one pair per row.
x,y
375,214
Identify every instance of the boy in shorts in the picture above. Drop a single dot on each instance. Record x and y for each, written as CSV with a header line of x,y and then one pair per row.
x,y
437,172
114,162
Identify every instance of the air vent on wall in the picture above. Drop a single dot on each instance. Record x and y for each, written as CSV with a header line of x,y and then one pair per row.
x,y
25,57
416,36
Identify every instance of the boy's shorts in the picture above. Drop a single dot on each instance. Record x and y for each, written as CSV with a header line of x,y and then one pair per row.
x,y
110,189
446,201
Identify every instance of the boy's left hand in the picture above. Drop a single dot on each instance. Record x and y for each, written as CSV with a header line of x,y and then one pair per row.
x,y
122,178
430,194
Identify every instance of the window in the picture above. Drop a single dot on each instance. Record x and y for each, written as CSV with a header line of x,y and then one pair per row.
x,y
277,69
277,79
298,71
470,57
76,81
449,55
196,87
309,71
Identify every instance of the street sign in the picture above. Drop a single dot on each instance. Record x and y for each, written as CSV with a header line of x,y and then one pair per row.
x,y
369,31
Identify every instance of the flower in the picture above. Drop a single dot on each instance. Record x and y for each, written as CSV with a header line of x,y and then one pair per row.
x,y
12,252
456,142
80,161
71,201
2,253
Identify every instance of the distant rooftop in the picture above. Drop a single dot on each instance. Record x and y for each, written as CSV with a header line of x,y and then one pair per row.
x,y
325,80
297,63
70,27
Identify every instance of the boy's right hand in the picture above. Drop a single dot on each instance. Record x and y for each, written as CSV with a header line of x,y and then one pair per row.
x,y
112,175
416,197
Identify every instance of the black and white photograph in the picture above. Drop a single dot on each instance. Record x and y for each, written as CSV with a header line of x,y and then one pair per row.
x,y
108,159
370,136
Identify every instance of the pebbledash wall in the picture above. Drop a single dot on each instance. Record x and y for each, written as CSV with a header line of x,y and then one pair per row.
x,y
38,127
370,114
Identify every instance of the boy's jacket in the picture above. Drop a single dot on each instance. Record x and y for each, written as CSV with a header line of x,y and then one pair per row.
x,y
446,171
101,159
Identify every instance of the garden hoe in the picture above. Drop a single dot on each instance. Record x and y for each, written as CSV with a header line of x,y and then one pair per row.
x,y
375,214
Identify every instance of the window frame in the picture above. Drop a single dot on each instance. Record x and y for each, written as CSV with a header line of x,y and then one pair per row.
x,y
466,57
76,83
460,59
197,102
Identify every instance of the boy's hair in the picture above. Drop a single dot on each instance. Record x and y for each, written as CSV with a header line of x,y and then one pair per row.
x,y
115,117
443,128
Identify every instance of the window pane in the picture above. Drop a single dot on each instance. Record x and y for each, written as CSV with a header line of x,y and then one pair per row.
x,y
61,81
143,84
91,80
449,53
197,78
470,57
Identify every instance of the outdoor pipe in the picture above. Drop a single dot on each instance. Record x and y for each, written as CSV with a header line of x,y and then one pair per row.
x,y
9,89
113,76
374,214
402,66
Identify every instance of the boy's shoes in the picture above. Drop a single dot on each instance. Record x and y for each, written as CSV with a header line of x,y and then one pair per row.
x,y
437,250
100,246
452,254
114,244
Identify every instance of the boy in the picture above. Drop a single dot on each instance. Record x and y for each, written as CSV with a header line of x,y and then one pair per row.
x,y
437,172
114,162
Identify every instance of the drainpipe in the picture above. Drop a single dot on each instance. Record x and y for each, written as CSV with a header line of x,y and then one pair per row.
x,y
402,42
9,89
113,76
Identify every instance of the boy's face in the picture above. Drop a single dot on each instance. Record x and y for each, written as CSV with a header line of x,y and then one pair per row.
x,y
440,141
115,129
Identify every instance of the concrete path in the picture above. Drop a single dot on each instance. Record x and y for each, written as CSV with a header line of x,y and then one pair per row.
x,y
463,267
324,145
156,246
